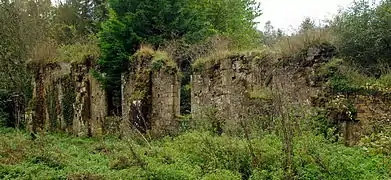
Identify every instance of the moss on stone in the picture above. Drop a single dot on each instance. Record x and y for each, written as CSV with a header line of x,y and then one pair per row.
x,y
201,64
262,93
247,57
146,61
77,53
341,77
154,60
329,68
161,60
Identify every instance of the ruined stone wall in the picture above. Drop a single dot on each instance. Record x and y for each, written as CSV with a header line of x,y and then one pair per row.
x,y
357,114
229,89
45,110
66,98
136,96
241,86
373,112
223,89
165,102
99,109
82,112
90,107
373,115
151,95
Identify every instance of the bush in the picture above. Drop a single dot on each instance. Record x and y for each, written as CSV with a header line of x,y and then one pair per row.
x,y
362,33
79,52
206,153
377,144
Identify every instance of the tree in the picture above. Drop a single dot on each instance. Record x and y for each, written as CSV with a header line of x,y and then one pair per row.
x,y
234,19
12,49
75,19
24,24
156,21
363,33
269,33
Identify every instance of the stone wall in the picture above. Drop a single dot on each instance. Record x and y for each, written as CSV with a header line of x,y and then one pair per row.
x,y
373,115
45,112
151,95
226,90
165,102
223,89
230,89
90,107
357,114
66,98
238,87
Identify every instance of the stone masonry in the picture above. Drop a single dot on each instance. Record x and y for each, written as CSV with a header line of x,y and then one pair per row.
x,y
66,98
151,96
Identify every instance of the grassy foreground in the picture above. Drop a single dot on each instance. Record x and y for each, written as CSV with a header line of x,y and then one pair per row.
x,y
192,155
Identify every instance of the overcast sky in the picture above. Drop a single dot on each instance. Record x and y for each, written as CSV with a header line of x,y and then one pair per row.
x,y
288,14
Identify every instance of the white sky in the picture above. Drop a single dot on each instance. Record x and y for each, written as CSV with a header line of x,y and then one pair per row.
x,y
288,14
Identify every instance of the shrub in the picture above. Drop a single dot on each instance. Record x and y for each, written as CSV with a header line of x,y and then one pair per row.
x,y
49,161
362,33
377,144
120,163
265,174
87,176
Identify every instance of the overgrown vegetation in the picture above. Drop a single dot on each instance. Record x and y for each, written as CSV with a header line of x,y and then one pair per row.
x,y
364,28
79,52
145,61
192,155
158,22
342,77
287,140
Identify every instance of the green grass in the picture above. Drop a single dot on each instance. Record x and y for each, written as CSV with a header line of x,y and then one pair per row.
x,y
192,155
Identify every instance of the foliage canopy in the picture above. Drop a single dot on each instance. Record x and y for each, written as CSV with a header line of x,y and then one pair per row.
x,y
363,33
